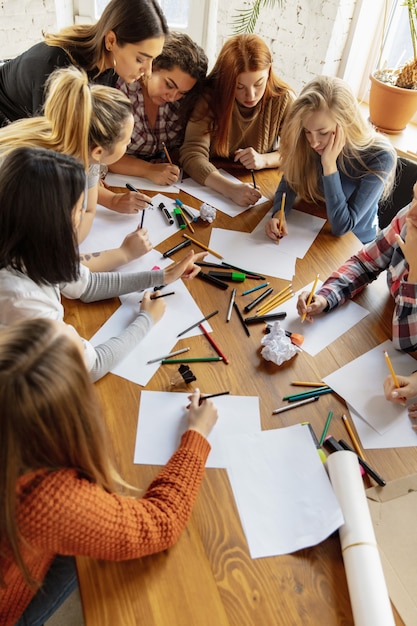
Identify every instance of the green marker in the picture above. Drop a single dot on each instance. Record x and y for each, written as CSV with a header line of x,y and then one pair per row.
x,y
237,277
180,220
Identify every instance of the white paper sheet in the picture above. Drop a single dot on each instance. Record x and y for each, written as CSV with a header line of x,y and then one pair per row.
x,y
142,184
282,491
261,255
109,228
181,311
162,421
360,383
326,328
215,199
399,436
365,577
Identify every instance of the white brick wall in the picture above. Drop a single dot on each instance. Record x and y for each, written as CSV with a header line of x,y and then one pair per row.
x,y
22,23
307,37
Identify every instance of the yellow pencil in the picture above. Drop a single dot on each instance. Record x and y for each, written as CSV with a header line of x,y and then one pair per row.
x,y
276,297
274,305
301,383
198,243
353,438
281,213
186,220
391,369
310,297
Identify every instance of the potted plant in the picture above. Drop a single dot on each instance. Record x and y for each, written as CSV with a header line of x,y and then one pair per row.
x,y
393,93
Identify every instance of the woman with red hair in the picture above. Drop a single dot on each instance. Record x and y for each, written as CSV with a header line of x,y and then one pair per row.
x,y
239,117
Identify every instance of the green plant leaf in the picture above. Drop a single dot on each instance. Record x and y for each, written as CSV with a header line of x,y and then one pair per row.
x,y
246,19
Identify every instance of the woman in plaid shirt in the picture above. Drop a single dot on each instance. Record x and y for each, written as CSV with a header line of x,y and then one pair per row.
x,y
395,250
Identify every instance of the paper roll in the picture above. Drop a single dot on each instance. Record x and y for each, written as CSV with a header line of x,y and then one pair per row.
x,y
366,582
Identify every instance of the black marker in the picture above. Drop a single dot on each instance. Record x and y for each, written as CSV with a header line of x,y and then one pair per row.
x,y
211,279
252,304
270,317
368,469
165,213
132,188
180,246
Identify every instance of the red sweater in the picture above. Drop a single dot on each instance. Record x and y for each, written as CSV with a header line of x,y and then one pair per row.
x,y
61,513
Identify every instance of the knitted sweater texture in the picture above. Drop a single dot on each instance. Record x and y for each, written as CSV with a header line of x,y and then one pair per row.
x,y
60,512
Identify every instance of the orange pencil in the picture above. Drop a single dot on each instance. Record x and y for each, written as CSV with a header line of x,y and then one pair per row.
x,y
166,152
281,213
202,245
353,438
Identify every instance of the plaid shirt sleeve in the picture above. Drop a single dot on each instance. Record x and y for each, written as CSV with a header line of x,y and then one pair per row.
x,y
364,267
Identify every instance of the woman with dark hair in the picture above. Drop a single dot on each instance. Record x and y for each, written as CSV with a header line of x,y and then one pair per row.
x,y
239,117
41,199
60,495
124,41
162,104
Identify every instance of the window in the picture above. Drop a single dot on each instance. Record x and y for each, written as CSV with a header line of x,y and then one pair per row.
x,y
363,52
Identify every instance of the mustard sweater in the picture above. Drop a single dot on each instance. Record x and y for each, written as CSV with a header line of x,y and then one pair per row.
x,y
61,513
258,128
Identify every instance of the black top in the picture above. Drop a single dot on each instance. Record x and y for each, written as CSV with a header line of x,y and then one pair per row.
x,y
22,79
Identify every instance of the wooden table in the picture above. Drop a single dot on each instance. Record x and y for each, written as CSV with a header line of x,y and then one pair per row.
x,y
208,577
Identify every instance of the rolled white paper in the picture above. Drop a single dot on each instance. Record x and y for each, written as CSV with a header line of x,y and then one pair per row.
x,y
365,577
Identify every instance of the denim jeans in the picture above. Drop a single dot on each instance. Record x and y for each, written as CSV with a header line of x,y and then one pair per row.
x,y
59,582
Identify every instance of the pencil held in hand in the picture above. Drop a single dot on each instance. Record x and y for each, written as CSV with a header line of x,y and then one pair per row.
x,y
310,297
391,369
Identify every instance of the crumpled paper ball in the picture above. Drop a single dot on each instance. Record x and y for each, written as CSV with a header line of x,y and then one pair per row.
x,y
207,212
277,347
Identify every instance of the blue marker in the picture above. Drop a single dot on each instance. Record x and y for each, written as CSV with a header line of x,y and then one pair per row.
x,y
245,293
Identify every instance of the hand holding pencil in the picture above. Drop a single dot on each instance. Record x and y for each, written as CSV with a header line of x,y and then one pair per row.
x,y
307,309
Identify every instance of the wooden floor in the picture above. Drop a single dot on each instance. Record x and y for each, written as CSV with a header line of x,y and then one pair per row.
x,y
208,577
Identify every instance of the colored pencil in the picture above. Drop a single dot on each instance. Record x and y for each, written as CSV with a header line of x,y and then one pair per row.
x,y
275,298
310,297
214,395
202,245
253,179
301,383
245,293
207,317
326,427
202,359
241,319
166,153
308,394
276,303
391,369
352,436
213,343
281,213
166,356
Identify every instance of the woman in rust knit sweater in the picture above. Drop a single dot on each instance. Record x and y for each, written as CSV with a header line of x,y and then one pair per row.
x,y
60,496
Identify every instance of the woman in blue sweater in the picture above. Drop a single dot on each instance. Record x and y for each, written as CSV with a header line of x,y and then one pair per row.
x,y
331,154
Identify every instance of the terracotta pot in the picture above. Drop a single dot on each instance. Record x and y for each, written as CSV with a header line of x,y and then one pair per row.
x,y
390,107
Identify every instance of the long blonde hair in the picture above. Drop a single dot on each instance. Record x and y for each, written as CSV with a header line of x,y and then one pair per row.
x,y
50,418
77,117
299,162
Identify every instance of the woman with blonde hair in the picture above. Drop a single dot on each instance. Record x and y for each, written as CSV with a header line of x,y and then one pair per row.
x,y
92,123
123,42
239,117
162,104
331,154
60,494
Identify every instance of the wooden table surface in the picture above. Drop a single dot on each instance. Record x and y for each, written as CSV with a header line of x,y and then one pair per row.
x,y
208,577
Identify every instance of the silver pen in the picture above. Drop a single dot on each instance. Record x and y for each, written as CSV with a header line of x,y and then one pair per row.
x,y
294,404
229,310
166,356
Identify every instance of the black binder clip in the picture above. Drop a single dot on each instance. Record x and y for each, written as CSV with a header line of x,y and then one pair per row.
x,y
185,375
